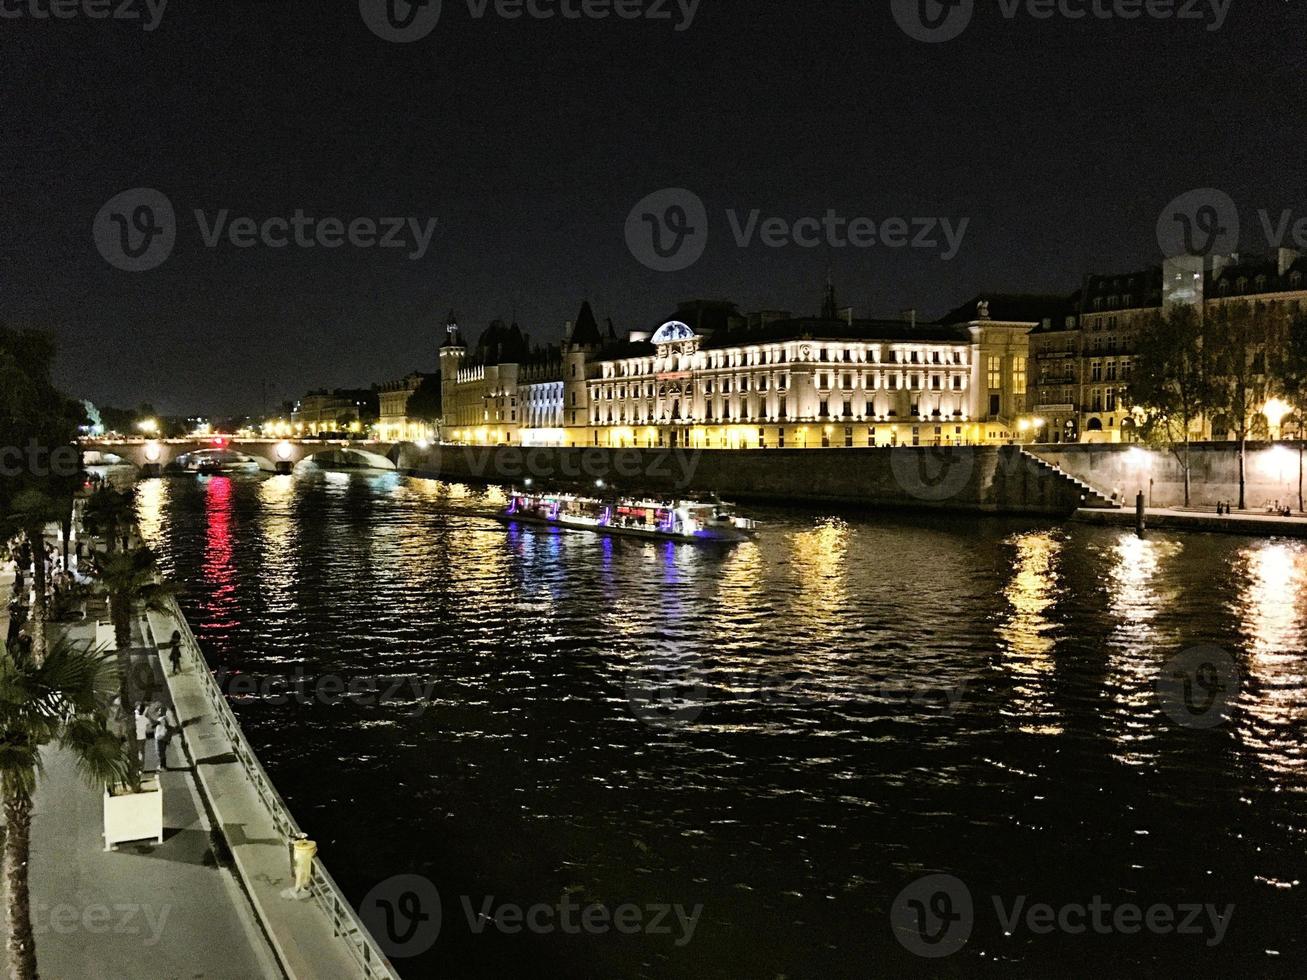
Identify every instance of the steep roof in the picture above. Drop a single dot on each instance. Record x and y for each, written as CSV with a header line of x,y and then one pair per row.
x,y
585,332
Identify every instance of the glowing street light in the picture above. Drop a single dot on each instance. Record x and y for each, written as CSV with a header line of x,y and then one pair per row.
x,y
149,426
1275,411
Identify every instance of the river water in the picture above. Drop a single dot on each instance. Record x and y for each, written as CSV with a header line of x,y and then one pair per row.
x,y
774,740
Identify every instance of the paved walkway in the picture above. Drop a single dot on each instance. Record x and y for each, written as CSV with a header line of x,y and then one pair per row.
x,y
299,930
165,910
1158,518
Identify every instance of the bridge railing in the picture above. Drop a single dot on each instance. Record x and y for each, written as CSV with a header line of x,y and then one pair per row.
x,y
345,923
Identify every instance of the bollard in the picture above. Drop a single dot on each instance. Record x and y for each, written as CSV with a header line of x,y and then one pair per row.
x,y
302,853
1139,514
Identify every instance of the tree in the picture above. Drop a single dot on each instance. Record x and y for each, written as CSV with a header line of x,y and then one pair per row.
x,y
60,701
1237,339
107,510
1166,387
424,403
130,581
29,514
1291,383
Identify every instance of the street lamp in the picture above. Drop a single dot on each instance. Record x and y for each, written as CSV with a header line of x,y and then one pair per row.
x,y
1275,411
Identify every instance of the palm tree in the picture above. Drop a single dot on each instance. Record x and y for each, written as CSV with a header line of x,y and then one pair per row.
x,y
29,514
109,509
130,580
59,701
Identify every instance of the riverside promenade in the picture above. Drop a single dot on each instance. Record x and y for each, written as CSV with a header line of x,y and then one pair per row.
x,y
214,900
316,935
1165,519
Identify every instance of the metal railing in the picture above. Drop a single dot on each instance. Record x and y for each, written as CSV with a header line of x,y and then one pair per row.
x,y
345,923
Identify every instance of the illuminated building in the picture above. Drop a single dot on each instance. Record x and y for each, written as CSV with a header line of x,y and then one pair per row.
x,y
711,377
1083,359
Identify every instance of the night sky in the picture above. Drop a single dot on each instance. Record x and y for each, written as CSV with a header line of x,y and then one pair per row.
x,y
531,141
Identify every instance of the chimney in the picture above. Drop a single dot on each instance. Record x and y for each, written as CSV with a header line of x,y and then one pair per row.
x,y
1287,257
911,316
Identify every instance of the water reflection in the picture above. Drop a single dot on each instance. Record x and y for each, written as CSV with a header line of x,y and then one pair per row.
x,y
219,570
1272,604
1028,632
1137,596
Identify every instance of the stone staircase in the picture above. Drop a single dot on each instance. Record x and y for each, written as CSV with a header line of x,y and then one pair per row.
x,y
1092,496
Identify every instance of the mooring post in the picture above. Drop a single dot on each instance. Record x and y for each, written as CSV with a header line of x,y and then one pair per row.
x,y
1139,514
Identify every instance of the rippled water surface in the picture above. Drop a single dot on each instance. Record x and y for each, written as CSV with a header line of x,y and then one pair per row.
x,y
787,733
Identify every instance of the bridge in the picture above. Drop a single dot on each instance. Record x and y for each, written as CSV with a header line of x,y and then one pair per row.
x,y
274,455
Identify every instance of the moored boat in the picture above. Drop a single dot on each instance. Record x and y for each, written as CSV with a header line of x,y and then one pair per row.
x,y
680,520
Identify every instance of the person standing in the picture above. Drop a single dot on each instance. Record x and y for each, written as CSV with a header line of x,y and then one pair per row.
x,y
161,737
175,651
143,725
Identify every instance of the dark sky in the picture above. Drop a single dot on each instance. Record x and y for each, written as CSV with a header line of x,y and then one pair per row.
x,y
530,141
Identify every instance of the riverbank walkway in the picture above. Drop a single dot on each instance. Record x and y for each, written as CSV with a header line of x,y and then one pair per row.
x,y
309,941
144,909
1168,519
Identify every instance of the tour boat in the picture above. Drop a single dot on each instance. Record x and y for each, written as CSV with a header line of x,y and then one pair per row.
x,y
681,520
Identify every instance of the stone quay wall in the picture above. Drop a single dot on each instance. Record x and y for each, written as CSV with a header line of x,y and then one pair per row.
x,y
1272,472
987,478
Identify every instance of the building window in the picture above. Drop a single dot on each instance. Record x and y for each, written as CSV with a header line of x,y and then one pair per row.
x,y
782,412
848,410
823,410
870,410
995,372
1018,375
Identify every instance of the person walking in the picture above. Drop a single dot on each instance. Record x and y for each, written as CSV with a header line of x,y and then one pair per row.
x,y
175,651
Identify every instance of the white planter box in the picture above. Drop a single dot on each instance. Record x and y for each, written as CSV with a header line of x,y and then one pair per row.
x,y
104,637
134,816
